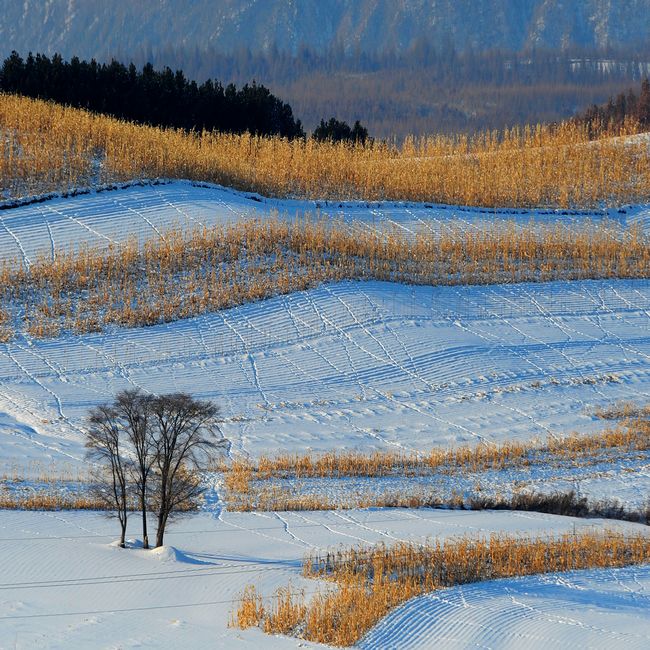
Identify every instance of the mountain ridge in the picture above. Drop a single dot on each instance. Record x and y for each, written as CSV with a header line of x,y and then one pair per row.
x,y
92,28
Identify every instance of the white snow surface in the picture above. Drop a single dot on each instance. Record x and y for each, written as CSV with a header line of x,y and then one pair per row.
x,y
352,365
147,211
65,584
604,608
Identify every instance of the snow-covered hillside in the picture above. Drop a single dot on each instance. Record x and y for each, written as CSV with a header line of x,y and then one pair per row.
x,y
350,365
594,609
141,212
64,585
361,365
354,365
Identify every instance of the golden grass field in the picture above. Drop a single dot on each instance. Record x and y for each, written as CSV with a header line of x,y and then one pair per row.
x,y
187,274
47,147
250,485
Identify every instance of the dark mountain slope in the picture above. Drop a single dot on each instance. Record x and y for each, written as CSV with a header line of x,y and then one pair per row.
x,y
99,28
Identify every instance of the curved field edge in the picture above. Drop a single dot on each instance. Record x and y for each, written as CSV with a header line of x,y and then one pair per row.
x,y
512,475
595,608
146,210
371,581
51,148
182,275
253,199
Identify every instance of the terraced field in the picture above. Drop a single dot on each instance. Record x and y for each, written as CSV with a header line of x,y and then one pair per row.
x,y
595,609
144,211
351,365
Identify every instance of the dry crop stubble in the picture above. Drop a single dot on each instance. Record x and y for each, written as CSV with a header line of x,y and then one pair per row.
x,y
633,434
48,501
47,147
281,483
6,330
370,581
186,274
249,485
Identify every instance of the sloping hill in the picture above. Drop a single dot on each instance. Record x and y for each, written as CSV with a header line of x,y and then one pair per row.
x,y
365,365
146,211
357,365
594,609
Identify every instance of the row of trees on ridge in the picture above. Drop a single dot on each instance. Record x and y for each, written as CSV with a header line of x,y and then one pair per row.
x,y
161,98
617,110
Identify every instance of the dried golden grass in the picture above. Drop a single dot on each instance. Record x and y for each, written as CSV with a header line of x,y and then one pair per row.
x,y
53,499
257,485
50,501
633,434
251,609
372,581
289,498
286,612
623,411
48,147
6,331
35,487
40,472
186,274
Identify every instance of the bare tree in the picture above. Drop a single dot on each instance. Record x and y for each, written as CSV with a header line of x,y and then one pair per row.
x,y
133,408
187,437
152,447
105,444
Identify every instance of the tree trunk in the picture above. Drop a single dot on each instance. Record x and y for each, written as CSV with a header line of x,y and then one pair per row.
x,y
123,516
160,533
145,536
162,521
123,533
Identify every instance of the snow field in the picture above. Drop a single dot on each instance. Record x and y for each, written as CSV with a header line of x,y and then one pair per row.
x,y
142,212
65,586
604,608
351,365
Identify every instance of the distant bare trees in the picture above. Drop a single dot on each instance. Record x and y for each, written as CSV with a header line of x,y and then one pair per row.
x,y
150,449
